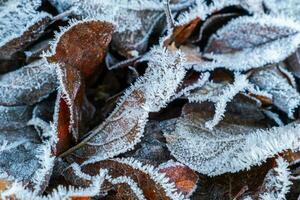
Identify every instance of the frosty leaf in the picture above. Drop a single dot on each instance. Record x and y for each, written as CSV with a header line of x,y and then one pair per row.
x,y
19,192
78,59
81,45
183,32
220,94
293,63
134,21
28,85
145,181
184,178
272,81
20,25
202,10
14,117
251,42
276,184
124,127
25,159
238,142
290,8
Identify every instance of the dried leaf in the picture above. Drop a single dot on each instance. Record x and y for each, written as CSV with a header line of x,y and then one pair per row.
x,y
24,158
272,81
79,57
145,181
21,24
276,184
240,141
13,118
124,127
184,178
251,42
28,85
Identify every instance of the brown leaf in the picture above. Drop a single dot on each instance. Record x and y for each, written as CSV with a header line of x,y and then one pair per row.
x,y
184,178
83,46
129,174
79,50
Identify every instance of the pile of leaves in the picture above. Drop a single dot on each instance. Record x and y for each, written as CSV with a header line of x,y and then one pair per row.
x,y
149,99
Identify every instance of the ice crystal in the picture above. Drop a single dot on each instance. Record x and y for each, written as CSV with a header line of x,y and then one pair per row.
x,y
220,95
276,183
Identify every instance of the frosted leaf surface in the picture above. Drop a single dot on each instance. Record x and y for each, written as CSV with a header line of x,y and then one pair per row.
x,y
24,158
124,127
16,117
290,8
146,181
251,42
272,81
20,25
134,20
239,142
28,85
276,184
60,192
220,94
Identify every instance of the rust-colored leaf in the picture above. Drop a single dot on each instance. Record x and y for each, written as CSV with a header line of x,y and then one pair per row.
x,y
185,179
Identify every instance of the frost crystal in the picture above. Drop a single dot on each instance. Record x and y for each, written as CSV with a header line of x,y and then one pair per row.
x,y
220,95
60,193
290,8
276,184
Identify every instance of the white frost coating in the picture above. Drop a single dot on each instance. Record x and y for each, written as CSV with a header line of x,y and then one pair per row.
x,y
60,193
277,182
164,74
28,85
285,96
229,149
202,11
45,156
252,50
220,95
17,16
187,90
157,176
6,146
131,183
290,8
240,84
149,93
